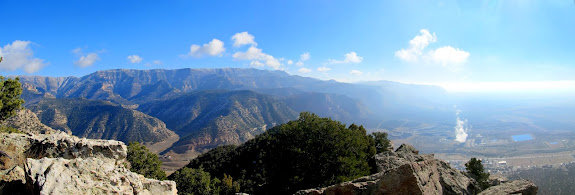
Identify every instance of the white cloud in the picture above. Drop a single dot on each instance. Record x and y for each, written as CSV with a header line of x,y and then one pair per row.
x,y
213,48
416,46
446,56
134,59
87,60
350,57
290,62
304,70
353,58
323,69
255,54
355,72
77,51
19,55
304,57
243,38
158,62
256,64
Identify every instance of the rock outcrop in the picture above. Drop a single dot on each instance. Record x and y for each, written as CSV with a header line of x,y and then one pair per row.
x,y
523,187
57,163
406,172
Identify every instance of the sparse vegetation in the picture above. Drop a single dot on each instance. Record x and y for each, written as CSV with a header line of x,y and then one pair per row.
x,y
475,169
144,162
550,179
9,130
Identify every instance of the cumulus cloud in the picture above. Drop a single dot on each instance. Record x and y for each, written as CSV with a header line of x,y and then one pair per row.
x,y
19,55
158,62
256,64
134,59
258,57
416,46
355,72
290,62
87,60
446,56
323,69
243,38
304,70
299,63
350,57
213,48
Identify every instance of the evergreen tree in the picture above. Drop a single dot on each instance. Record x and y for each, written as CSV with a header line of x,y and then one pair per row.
x,y
144,162
228,186
10,101
475,169
382,144
301,154
195,182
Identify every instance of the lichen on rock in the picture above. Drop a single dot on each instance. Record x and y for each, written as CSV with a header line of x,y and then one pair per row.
x,y
52,162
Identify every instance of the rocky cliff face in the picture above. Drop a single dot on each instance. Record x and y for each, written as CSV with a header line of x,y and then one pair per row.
x,y
406,172
523,187
57,163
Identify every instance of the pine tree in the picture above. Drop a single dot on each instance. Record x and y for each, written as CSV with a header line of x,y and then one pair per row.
x,y
10,101
475,169
144,162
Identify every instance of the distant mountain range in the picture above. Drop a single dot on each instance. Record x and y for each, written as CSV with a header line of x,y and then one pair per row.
x,y
210,107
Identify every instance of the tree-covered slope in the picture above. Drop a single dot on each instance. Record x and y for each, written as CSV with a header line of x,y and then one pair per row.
x,y
206,119
100,120
304,153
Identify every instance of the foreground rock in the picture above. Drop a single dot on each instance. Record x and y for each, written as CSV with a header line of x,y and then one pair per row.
x,y
523,187
57,163
406,172
64,176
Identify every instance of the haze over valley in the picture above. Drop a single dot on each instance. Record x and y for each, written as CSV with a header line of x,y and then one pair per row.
x,y
181,113
492,80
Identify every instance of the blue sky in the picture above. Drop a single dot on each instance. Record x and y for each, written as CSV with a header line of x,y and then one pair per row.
x,y
462,45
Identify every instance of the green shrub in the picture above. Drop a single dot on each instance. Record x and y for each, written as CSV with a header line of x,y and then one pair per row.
x,y
195,181
9,130
144,162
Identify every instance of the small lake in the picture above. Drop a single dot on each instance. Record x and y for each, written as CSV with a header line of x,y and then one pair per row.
x,y
522,137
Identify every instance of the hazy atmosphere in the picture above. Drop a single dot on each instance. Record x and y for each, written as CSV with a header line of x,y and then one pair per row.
x,y
460,45
284,97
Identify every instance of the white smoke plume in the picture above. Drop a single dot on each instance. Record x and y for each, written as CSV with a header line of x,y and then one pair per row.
x,y
460,129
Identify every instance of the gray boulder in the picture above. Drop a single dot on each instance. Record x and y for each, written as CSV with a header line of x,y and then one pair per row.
x,y
406,172
522,186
